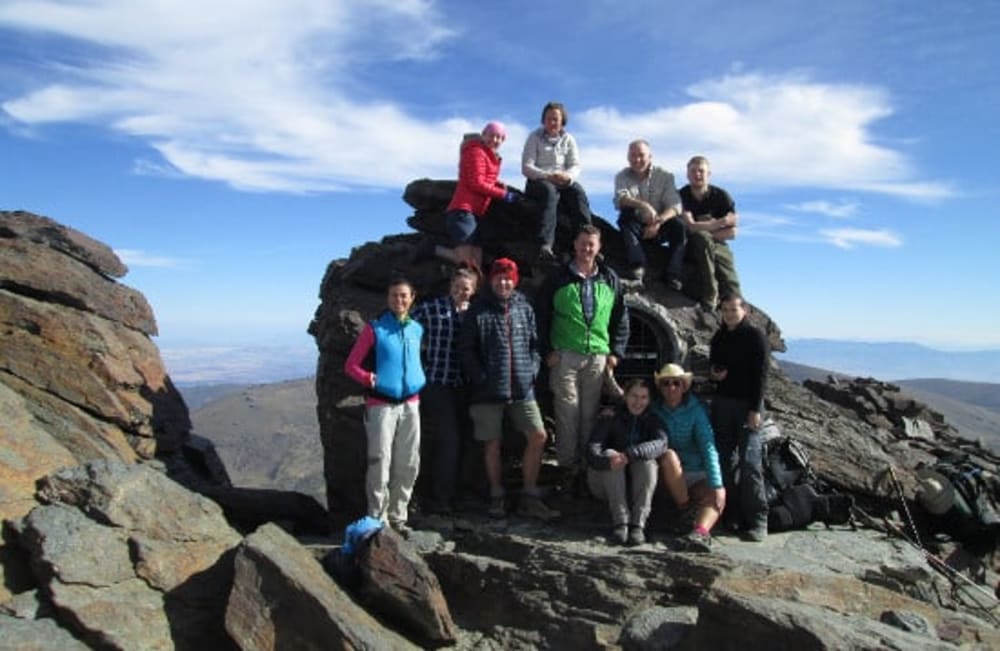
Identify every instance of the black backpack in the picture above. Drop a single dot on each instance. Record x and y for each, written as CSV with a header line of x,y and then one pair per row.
x,y
786,464
795,495
975,518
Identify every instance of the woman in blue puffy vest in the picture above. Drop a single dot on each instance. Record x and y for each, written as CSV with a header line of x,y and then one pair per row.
x,y
385,360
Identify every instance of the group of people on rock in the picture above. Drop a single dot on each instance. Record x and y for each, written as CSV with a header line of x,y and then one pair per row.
x,y
694,223
474,355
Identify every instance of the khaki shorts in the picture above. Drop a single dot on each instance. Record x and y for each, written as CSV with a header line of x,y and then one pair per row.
x,y
487,418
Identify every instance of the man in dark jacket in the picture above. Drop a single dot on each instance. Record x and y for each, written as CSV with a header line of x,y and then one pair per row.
x,y
739,357
499,348
583,328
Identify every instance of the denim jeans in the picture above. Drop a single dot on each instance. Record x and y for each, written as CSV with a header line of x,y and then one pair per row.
x,y
672,232
572,197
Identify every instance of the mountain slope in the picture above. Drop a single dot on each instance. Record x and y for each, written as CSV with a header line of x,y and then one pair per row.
x,y
965,405
268,436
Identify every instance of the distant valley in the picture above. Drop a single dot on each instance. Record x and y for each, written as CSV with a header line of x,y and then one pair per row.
x,y
894,360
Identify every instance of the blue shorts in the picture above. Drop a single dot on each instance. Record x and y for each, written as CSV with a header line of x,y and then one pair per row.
x,y
461,226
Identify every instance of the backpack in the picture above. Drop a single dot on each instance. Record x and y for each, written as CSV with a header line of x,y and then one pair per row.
x,y
786,464
974,517
795,496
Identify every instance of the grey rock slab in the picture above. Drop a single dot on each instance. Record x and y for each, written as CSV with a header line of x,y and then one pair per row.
x,y
283,599
140,500
658,627
47,232
36,635
729,621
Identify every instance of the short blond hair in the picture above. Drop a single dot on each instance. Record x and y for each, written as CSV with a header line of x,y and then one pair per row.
x,y
697,160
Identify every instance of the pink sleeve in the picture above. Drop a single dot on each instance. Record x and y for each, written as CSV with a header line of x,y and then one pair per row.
x,y
352,367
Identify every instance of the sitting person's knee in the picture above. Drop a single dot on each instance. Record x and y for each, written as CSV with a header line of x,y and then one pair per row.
x,y
671,462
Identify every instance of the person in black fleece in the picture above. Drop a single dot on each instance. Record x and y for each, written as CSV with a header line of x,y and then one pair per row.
x,y
739,358
624,444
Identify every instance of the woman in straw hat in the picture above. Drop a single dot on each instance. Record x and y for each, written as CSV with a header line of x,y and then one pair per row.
x,y
690,468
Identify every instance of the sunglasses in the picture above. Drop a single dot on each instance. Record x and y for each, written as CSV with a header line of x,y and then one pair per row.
x,y
672,383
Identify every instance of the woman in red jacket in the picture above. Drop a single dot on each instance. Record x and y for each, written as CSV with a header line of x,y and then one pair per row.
x,y
478,185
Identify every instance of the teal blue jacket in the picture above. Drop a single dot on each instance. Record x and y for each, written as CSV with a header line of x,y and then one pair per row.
x,y
690,435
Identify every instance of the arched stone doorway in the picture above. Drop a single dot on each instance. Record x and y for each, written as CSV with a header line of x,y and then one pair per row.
x,y
652,340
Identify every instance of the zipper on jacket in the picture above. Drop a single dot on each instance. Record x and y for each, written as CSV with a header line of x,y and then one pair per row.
x,y
510,348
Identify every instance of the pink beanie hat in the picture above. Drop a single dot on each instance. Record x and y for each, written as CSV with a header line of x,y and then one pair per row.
x,y
495,127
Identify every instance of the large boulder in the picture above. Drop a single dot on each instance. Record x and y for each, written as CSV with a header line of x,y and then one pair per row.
x,y
129,559
282,599
397,584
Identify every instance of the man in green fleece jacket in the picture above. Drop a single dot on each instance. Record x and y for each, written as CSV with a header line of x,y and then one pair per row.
x,y
582,328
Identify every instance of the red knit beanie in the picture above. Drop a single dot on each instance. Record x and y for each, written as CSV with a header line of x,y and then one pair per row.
x,y
505,266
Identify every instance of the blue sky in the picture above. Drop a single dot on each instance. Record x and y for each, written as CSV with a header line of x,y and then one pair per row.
x,y
229,150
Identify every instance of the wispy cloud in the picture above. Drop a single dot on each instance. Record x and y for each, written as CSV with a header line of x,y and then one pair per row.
x,y
841,210
137,258
776,131
274,107
848,238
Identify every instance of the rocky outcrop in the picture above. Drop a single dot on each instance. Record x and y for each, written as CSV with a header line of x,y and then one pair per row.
x,y
78,363
883,405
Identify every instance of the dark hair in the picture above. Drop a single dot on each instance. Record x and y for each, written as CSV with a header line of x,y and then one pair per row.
x,y
638,382
559,107
588,229
400,279
731,296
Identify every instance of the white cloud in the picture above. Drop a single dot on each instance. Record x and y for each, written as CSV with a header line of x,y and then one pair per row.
x,y
841,210
767,131
263,96
137,258
848,238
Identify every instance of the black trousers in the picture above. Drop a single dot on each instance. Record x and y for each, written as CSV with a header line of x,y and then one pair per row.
x,y
741,457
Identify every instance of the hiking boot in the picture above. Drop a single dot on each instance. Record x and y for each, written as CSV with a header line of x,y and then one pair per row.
x,y
757,533
637,272
498,508
684,521
696,543
532,506
674,283
636,536
546,254
619,535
